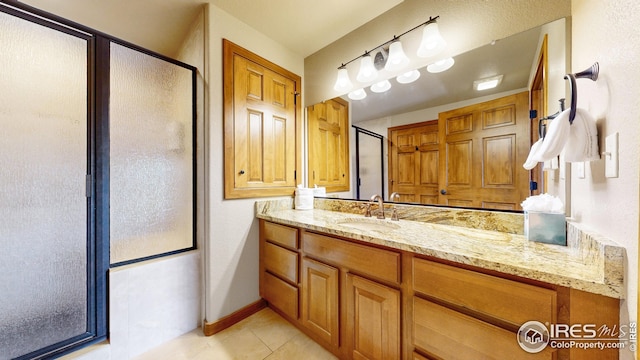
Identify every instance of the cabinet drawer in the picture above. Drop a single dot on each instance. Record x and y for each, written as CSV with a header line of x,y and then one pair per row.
x,y
281,295
281,262
378,263
448,334
281,235
503,299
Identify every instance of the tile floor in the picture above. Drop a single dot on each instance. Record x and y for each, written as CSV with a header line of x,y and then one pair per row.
x,y
264,335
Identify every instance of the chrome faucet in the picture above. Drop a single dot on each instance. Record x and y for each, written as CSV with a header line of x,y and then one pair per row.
x,y
394,211
380,201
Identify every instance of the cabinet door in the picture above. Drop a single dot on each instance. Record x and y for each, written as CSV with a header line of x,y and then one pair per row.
x,y
320,300
329,144
373,319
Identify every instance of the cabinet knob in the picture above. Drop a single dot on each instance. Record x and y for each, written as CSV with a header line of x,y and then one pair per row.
x,y
443,192
241,172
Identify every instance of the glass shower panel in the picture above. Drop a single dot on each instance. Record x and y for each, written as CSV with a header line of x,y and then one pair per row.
x,y
43,208
151,129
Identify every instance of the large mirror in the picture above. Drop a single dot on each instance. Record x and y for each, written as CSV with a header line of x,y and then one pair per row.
x,y
532,62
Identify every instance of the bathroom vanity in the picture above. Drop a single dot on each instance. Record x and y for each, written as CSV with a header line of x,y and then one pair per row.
x,y
367,288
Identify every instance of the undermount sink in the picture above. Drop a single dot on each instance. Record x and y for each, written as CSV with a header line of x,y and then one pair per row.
x,y
369,224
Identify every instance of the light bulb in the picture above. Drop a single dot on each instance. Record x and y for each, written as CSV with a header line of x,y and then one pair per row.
x,y
397,59
367,70
408,77
357,94
441,65
432,42
381,86
343,83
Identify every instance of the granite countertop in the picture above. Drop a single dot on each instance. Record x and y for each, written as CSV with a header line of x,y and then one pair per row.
x,y
589,263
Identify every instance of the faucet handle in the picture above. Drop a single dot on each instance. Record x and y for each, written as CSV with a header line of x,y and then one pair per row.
x,y
394,214
367,210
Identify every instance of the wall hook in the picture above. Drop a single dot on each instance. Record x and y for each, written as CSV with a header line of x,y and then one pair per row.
x,y
590,73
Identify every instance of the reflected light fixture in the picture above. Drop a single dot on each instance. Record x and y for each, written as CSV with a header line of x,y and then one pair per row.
x,y
368,71
381,86
357,94
408,77
432,42
441,65
343,83
397,60
487,83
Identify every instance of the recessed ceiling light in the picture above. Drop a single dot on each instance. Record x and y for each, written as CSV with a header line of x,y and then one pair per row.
x,y
487,83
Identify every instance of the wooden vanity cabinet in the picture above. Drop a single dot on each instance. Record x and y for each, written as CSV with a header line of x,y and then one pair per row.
x,y
363,301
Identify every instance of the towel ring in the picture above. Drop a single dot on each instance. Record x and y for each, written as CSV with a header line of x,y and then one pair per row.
x,y
590,73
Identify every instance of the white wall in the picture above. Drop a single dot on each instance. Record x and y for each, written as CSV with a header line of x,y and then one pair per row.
x,y
602,32
232,244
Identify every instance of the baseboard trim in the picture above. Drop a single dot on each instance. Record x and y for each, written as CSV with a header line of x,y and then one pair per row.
x,y
215,327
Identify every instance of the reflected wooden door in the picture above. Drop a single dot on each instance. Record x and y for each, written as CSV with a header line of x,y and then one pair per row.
x,y
482,149
414,162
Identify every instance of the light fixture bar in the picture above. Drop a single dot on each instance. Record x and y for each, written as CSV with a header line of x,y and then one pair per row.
x,y
395,38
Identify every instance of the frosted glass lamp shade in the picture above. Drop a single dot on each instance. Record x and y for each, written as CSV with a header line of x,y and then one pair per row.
x,y
432,42
343,83
367,70
408,77
397,60
441,65
381,86
357,94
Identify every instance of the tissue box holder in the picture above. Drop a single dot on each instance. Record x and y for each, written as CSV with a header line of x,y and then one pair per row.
x,y
545,227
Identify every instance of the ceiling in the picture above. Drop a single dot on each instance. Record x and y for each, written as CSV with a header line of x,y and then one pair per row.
x,y
161,25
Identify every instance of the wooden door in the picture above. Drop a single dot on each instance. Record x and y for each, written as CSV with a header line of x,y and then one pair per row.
x,y
482,149
260,126
328,124
320,300
373,319
414,161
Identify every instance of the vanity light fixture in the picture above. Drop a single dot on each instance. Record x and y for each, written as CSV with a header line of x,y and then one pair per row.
x,y
487,83
343,83
381,86
441,65
368,71
408,77
357,94
431,44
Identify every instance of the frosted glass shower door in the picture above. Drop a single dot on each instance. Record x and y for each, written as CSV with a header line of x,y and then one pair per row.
x,y
43,208
151,156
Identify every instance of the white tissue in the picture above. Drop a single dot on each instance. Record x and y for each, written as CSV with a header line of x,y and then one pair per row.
x,y
543,203
319,191
303,199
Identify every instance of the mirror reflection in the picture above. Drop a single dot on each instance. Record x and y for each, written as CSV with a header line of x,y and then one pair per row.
x,y
446,143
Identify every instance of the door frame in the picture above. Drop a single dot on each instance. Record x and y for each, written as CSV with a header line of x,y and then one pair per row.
x,y
359,131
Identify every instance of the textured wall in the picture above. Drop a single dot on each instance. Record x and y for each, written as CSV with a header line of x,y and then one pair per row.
x,y
602,31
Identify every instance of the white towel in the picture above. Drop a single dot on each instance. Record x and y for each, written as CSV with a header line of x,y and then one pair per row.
x,y
582,144
553,142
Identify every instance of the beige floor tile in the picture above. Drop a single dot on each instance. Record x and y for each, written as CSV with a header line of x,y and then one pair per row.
x,y
271,328
235,343
184,347
301,347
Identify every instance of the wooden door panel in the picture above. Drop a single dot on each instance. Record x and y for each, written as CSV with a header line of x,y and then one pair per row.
x,y
499,161
459,124
406,169
500,116
429,199
319,311
374,319
429,168
459,156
